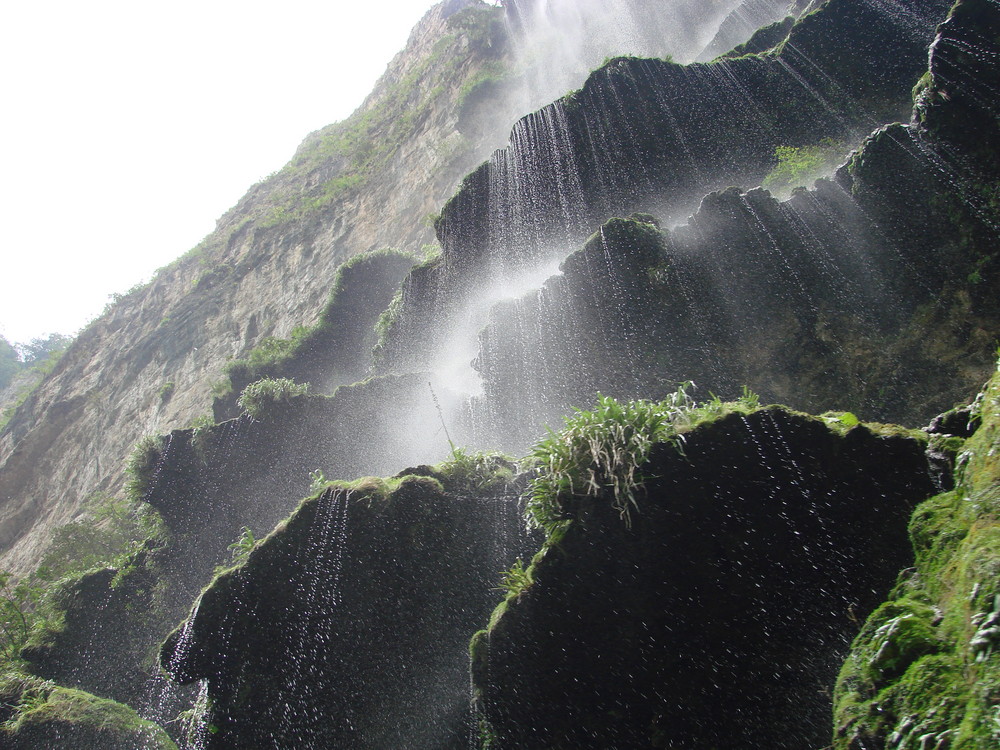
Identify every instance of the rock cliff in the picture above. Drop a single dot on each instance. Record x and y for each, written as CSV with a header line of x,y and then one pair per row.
x,y
713,559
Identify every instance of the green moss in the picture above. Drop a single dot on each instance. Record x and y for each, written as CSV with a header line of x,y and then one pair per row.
x,y
141,464
600,453
899,633
477,472
259,399
47,713
385,322
274,357
800,166
926,667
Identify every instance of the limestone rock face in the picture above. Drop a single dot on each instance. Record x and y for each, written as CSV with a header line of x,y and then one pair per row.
x,y
742,22
686,130
60,718
266,269
348,626
926,665
876,291
718,616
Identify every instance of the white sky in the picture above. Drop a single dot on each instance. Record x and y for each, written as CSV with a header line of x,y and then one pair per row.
x,y
127,128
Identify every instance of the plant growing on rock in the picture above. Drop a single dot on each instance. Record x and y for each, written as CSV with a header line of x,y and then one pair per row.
x,y
257,398
201,430
799,166
515,580
111,531
16,615
477,472
600,453
242,547
141,463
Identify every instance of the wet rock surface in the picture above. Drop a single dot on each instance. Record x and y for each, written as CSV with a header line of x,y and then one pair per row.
x,y
721,616
348,627
654,136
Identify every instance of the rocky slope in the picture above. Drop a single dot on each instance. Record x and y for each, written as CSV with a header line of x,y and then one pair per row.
x,y
877,287
685,130
368,183
268,267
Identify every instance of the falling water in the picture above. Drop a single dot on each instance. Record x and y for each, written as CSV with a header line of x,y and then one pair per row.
x,y
561,41
535,209
318,590
453,369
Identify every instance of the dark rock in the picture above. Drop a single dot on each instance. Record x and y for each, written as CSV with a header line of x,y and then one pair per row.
x,y
743,23
649,135
959,422
764,39
348,627
719,619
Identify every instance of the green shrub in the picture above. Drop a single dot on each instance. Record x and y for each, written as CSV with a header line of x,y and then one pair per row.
x,y
600,453
386,321
110,530
17,607
242,547
222,387
802,165
258,398
515,580
141,463
201,431
477,472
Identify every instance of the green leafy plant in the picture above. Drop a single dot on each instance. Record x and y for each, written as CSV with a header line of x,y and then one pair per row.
x,y
515,580
477,472
16,615
111,530
748,399
599,453
319,481
798,166
201,431
240,549
222,387
141,463
385,323
258,398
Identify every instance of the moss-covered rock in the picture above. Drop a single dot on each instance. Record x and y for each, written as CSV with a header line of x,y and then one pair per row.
x,y
719,615
40,714
650,134
336,350
347,626
877,291
104,630
925,669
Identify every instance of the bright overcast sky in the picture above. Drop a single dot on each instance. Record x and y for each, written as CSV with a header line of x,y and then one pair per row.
x,y
129,127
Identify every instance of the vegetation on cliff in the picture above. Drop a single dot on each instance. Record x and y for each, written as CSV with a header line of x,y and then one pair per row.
x,y
925,669
37,713
705,565
718,610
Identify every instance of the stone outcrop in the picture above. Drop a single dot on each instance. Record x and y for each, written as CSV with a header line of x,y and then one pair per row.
x,y
718,615
348,626
709,595
268,267
686,130
925,668
742,22
64,719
